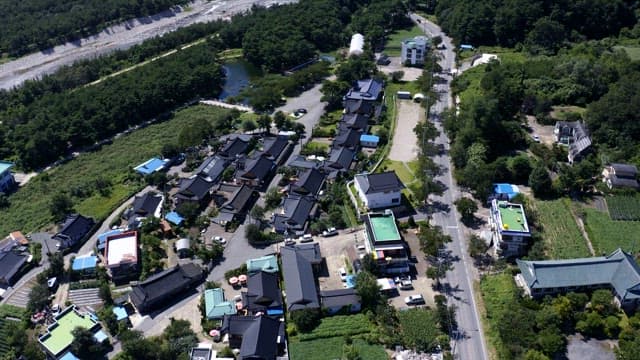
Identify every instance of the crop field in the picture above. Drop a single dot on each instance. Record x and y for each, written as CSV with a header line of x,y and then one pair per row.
x,y
562,237
29,207
499,292
327,340
624,207
607,235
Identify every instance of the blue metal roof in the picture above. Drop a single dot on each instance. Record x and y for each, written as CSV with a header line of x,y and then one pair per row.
x,y
69,356
150,166
5,165
369,138
174,217
100,336
120,312
84,263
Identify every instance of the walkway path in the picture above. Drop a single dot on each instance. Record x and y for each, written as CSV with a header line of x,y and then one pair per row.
x,y
405,143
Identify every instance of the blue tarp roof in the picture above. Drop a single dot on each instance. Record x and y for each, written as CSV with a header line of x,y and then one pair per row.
x,y
503,188
150,166
275,311
350,281
84,263
69,356
466,47
174,217
369,138
102,238
120,312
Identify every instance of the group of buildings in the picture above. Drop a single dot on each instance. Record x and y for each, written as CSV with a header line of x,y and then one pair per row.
x,y
362,106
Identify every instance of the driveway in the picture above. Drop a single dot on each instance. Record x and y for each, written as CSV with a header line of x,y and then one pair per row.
x,y
410,73
405,142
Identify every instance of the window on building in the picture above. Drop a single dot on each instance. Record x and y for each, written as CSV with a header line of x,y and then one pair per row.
x,y
395,200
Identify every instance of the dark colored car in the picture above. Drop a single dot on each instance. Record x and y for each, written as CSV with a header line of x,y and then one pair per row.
x,y
302,111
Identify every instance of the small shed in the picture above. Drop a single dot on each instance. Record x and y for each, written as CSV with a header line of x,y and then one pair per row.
x,y
174,218
152,165
466,47
370,141
183,247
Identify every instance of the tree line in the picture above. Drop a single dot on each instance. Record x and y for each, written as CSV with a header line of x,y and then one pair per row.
x,y
540,25
33,25
55,123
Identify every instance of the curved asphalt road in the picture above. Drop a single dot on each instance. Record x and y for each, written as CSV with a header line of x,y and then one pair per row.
x,y
470,342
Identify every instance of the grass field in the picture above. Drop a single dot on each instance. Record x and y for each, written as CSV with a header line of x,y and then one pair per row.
x,y
400,169
607,235
623,207
29,209
561,234
392,47
632,51
499,292
327,340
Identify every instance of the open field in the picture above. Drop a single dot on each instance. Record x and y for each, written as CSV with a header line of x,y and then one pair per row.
x,y
400,169
561,234
632,51
29,209
392,47
607,235
327,340
623,207
499,292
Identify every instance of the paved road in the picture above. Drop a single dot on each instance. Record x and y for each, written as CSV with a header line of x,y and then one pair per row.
x,y
471,344
120,37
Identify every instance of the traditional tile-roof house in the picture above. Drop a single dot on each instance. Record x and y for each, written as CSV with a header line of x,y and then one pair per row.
x,y
212,168
216,306
295,214
340,159
355,121
257,337
75,230
277,149
299,280
148,204
369,89
195,189
164,286
255,171
263,294
11,265
309,183
379,190
576,136
620,175
617,271
363,107
233,147
347,137
233,202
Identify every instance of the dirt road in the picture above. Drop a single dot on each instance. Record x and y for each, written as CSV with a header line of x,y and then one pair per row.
x,y
122,36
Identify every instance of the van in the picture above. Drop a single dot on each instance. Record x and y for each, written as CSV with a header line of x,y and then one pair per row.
x,y
306,238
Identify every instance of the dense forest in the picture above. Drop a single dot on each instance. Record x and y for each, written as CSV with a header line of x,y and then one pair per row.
x,y
31,25
49,126
43,120
540,25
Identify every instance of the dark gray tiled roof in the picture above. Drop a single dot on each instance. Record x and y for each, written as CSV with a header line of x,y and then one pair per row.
x,y
240,199
74,228
146,204
257,168
618,269
212,168
355,121
341,158
195,187
625,170
347,137
263,291
309,183
10,264
261,335
299,280
359,106
297,209
310,251
339,297
379,183
273,147
233,147
369,89
164,285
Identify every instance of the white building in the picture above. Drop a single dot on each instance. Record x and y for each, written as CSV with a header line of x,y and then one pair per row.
x,y
414,50
356,47
509,227
379,190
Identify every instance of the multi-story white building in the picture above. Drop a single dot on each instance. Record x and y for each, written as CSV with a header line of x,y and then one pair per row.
x,y
380,190
414,50
510,231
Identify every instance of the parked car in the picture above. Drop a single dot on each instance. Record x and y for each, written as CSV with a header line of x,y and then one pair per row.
x,y
414,299
401,278
289,242
406,285
536,138
357,266
220,240
343,274
302,111
306,238
330,232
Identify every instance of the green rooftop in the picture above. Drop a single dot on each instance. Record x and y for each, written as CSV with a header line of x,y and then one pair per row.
x,y
215,304
512,217
59,335
384,228
267,263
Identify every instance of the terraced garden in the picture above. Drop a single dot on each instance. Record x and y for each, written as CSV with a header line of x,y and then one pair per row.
x,y
560,232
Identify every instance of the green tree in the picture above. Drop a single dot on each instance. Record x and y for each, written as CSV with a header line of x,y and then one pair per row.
x,y
105,294
540,181
306,319
368,289
179,337
84,345
332,93
4,201
550,341
431,239
38,297
254,235
546,37
60,206
272,198
248,125
257,213
135,345
535,355
56,265
477,246
227,174
279,119
190,211
467,208
264,122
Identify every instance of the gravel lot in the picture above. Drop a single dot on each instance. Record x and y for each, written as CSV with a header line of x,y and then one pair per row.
x,y
410,73
335,250
120,37
405,142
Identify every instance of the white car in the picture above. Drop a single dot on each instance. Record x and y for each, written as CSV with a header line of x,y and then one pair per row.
x,y
406,285
414,299
343,274
220,240
330,232
306,238
536,138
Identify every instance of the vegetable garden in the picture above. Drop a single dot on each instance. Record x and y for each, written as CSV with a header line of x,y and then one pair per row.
x,y
624,207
